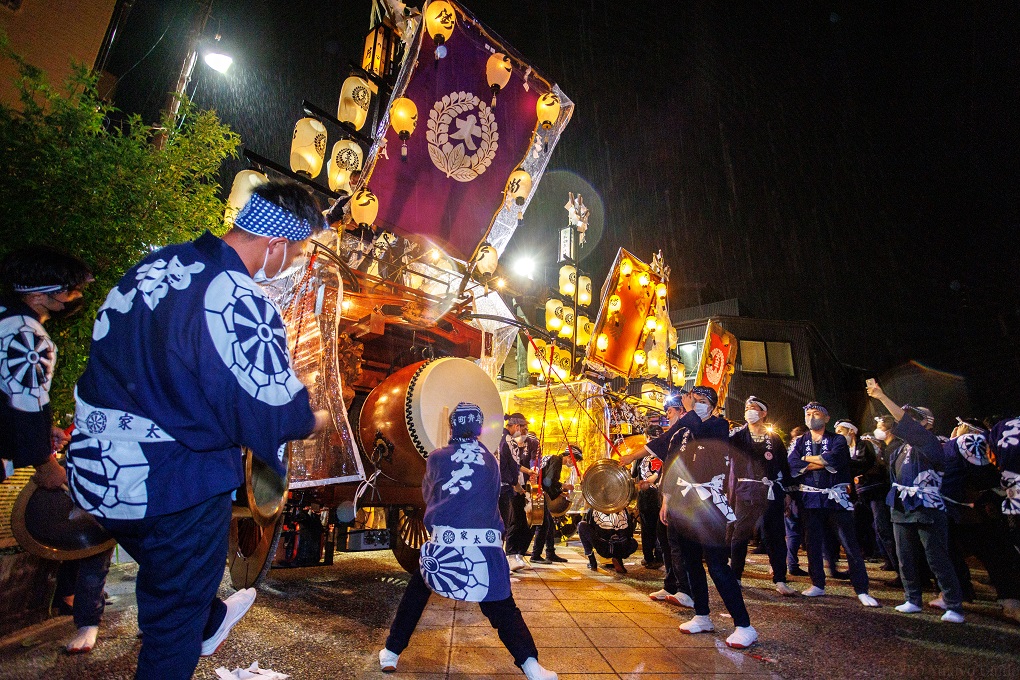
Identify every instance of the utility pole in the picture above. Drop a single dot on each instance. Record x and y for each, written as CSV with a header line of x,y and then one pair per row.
x,y
173,102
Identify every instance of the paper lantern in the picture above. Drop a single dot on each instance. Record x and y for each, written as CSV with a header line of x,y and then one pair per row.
x,y
584,291
440,20
355,96
518,188
487,260
614,303
644,279
345,160
548,109
403,118
626,267
653,366
241,189
640,357
561,363
567,327
568,280
364,207
663,371
602,342
497,72
536,358
308,147
553,315
584,329
660,291
380,51
650,323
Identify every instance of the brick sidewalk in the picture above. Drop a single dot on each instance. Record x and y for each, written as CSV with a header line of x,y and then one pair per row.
x,y
586,625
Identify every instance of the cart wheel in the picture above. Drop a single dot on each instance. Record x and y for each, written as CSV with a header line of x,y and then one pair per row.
x,y
407,535
250,550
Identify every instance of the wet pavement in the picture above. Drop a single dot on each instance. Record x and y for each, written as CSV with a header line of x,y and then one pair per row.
x,y
330,622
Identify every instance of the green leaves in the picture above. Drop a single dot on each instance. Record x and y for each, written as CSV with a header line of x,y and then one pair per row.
x,y
72,178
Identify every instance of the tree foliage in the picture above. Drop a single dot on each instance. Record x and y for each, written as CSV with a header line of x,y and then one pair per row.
x,y
71,178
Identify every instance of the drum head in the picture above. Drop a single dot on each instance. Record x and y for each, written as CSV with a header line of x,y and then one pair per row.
x,y
47,524
607,486
436,389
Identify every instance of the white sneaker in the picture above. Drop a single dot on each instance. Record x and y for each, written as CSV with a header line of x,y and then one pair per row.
x,y
516,563
814,591
699,624
681,599
387,660
868,600
742,637
238,605
84,641
659,595
784,589
952,617
534,671
907,608
938,602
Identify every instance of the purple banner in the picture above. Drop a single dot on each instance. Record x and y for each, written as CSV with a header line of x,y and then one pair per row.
x,y
462,151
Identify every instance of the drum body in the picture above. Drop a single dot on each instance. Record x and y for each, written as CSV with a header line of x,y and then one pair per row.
x,y
47,524
608,486
407,415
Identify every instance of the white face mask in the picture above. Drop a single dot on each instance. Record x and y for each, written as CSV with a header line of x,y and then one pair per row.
x,y
261,277
881,434
752,416
702,409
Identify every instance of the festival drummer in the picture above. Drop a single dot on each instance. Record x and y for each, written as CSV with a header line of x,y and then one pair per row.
x,y
464,558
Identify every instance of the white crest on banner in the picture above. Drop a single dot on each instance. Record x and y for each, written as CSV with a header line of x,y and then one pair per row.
x,y
475,138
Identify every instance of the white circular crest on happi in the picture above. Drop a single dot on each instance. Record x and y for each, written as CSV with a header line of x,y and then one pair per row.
x,y
467,152
248,333
27,356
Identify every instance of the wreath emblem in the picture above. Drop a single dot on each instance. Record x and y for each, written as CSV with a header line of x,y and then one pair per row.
x,y
475,135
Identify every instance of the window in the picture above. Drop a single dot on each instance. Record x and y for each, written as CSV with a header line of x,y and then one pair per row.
x,y
690,354
780,358
772,358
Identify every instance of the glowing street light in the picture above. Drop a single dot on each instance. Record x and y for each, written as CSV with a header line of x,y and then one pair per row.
x,y
525,266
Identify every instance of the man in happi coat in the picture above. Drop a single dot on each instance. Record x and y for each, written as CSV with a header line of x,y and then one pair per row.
x,y
820,466
189,362
757,481
1004,445
696,510
514,460
970,487
464,559
918,511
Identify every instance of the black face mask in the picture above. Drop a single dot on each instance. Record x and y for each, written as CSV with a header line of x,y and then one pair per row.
x,y
69,310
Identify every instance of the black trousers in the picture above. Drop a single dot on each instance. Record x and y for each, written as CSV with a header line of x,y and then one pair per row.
x,y
181,557
649,502
673,560
841,522
884,531
85,579
518,532
984,540
773,522
717,559
545,534
595,538
504,616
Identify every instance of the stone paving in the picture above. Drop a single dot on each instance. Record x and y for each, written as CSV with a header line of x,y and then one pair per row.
x,y
585,625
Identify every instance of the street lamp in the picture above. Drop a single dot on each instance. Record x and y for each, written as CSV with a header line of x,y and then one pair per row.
x,y
525,266
216,59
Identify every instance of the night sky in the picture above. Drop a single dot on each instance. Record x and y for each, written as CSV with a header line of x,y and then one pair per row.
x,y
853,164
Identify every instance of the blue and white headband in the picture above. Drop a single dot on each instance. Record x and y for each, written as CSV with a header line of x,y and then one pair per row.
x,y
706,392
753,400
816,406
52,288
265,218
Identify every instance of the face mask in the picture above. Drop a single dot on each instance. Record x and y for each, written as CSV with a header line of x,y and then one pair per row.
x,y
69,309
752,416
815,423
260,275
520,439
880,434
702,410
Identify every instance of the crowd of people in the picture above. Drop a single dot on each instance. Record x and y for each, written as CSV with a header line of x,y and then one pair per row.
x,y
189,325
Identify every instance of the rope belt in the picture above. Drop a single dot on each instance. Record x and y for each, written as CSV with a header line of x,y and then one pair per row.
x,y
706,490
1011,484
767,482
460,538
839,493
926,488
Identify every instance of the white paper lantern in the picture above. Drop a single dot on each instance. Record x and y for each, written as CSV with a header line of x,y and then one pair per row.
x,y
355,97
308,147
241,189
